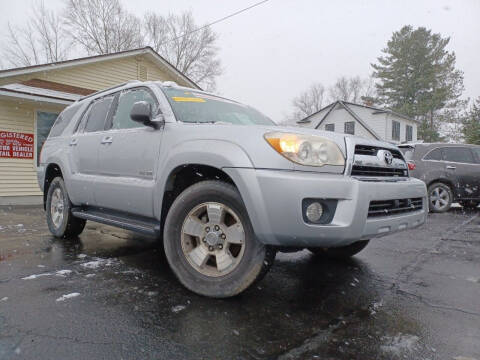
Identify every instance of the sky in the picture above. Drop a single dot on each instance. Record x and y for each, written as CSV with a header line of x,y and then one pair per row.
x,y
276,50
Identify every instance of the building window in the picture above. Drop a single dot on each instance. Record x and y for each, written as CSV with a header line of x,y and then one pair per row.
x,y
330,127
349,128
395,130
45,121
409,133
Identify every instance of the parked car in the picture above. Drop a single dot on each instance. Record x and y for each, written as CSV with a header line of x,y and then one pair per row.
x,y
221,182
451,172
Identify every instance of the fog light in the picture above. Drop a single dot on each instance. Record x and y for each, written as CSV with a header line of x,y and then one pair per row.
x,y
314,212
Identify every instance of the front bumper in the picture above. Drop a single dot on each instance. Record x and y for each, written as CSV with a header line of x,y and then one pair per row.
x,y
273,199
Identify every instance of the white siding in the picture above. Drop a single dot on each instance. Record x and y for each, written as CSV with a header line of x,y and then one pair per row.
x,y
403,128
376,122
339,116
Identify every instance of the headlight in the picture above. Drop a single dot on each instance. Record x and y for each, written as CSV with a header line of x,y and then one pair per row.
x,y
306,150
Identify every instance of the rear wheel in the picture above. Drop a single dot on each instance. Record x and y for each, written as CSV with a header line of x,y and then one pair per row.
x,y
342,252
440,197
209,241
60,221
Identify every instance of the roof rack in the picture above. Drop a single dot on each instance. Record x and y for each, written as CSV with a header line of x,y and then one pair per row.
x,y
110,88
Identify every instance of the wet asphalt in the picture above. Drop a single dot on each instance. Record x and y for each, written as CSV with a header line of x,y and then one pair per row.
x,y
110,295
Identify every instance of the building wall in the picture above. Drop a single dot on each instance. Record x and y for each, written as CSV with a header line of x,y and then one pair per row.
x,y
339,117
403,128
18,177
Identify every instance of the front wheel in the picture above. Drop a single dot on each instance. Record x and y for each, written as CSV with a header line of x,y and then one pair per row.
x,y
440,197
342,252
210,243
60,221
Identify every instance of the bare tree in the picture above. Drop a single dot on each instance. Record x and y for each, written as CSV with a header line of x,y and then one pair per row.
x,y
308,102
190,48
353,89
41,40
102,26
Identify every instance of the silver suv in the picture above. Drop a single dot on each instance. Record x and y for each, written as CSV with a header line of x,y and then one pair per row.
x,y
220,183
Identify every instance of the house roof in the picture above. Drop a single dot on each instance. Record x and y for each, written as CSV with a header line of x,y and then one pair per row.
x,y
152,54
346,103
41,90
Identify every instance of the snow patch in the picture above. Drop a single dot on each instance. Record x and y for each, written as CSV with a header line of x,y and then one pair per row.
x,y
178,308
35,276
97,263
399,344
472,279
63,272
68,296
81,256
4,299
375,306
89,275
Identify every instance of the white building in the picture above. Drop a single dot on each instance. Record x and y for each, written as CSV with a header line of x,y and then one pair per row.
x,y
365,121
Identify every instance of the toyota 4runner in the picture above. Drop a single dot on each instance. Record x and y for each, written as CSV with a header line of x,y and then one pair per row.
x,y
220,182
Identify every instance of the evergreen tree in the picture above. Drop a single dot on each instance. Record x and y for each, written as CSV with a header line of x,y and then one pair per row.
x,y
417,77
471,126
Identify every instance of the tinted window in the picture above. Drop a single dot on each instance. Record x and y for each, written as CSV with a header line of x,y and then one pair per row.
x,y
395,130
330,127
435,154
63,120
97,114
121,119
477,151
349,128
458,154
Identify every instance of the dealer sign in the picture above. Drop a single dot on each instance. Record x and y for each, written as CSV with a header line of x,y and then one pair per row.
x,y
16,145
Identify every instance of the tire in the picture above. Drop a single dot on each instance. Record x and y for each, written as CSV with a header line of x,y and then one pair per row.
x,y
66,225
187,233
440,197
342,252
469,204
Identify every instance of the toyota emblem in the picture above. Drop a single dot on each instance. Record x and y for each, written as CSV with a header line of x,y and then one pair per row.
x,y
388,157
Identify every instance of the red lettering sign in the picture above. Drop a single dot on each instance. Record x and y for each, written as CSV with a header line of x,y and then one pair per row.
x,y
16,145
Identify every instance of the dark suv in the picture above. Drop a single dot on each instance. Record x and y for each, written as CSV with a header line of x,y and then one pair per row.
x,y
451,172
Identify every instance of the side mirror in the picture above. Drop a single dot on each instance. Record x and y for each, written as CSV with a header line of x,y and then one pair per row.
x,y
142,113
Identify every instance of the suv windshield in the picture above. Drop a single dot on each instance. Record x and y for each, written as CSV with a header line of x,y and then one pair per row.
x,y
197,107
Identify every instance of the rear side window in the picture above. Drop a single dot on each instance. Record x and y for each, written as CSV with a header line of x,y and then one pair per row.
x,y
97,114
458,154
435,154
121,119
63,120
477,151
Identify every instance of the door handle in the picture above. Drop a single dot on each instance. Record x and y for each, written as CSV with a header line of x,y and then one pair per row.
x,y
107,140
450,167
73,142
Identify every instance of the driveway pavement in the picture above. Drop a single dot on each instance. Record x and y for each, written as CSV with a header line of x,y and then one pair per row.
x,y
110,295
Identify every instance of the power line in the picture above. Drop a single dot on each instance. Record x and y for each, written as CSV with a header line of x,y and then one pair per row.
x,y
219,20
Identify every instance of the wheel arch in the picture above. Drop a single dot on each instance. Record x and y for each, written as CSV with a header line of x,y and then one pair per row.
x,y
184,176
52,171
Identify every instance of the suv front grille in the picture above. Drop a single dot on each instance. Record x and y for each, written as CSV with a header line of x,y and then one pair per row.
x,y
358,170
379,208
373,150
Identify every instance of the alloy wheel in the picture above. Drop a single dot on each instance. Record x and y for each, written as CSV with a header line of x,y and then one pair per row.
x,y
213,239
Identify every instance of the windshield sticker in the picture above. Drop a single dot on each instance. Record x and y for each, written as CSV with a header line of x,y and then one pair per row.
x,y
187,99
210,97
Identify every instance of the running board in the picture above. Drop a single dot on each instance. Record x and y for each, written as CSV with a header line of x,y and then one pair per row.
x,y
125,221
